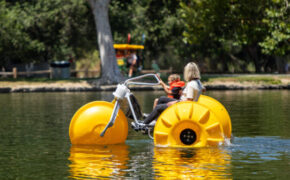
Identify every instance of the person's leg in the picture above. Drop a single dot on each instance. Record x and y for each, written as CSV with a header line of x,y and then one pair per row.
x,y
128,68
164,100
155,113
130,71
132,68
155,103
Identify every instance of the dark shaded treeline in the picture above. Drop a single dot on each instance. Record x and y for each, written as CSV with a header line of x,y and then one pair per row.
x,y
222,35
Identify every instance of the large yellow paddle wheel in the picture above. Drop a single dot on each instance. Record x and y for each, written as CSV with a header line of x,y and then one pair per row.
x,y
90,120
193,124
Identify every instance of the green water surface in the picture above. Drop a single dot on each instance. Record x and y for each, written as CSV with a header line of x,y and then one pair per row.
x,y
34,141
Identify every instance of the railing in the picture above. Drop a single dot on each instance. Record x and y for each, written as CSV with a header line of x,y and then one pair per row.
x,y
13,73
149,71
74,73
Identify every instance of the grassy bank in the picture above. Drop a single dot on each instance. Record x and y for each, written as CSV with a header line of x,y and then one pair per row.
x,y
9,82
207,79
253,79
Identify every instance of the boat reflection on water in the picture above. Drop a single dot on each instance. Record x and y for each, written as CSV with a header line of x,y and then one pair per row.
x,y
209,163
113,161
98,161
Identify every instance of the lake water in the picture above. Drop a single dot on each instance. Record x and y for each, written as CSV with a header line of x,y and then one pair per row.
x,y
34,141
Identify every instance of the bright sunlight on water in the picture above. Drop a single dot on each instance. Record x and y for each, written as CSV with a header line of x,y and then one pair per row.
x,y
34,141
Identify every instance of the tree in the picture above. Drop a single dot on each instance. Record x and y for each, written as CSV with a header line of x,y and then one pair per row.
x,y
277,38
15,42
278,22
39,30
237,32
159,22
109,67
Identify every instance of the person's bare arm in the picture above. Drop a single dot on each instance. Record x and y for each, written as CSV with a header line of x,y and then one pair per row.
x,y
165,87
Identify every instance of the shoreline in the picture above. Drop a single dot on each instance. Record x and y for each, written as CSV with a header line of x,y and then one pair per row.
x,y
85,87
210,82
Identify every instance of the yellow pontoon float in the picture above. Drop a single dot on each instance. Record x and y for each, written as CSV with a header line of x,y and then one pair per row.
x,y
184,124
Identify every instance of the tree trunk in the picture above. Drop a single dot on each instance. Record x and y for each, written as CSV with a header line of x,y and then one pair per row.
x,y
253,53
282,65
110,73
225,67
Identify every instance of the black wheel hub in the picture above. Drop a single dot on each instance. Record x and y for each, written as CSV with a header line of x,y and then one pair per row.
x,y
187,136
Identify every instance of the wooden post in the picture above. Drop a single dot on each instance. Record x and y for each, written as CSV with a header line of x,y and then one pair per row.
x,y
50,73
3,70
87,73
14,70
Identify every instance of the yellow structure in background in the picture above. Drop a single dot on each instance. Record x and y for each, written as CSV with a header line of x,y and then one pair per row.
x,y
193,124
98,161
91,119
128,46
122,52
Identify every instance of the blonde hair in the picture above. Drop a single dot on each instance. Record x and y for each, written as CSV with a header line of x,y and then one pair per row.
x,y
191,72
174,77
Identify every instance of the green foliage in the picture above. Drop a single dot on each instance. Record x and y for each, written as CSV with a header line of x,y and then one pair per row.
x,y
236,32
158,21
277,20
90,61
44,30
15,41
221,35
121,21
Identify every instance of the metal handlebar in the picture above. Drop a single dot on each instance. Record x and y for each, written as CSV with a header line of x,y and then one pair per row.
x,y
131,80
122,91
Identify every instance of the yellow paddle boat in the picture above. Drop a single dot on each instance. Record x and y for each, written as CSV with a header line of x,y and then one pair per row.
x,y
184,124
